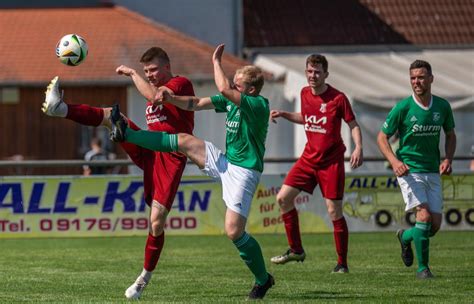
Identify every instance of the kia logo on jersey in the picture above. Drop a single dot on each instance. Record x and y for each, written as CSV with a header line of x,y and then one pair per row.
x,y
153,109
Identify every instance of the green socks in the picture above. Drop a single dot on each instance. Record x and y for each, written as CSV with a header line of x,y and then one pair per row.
x,y
156,141
251,254
421,237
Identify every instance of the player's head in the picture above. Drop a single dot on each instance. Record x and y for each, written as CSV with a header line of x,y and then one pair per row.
x,y
249,80
156,65
421,77
316,70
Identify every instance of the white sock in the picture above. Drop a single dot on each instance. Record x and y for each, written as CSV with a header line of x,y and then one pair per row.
x,y
146,275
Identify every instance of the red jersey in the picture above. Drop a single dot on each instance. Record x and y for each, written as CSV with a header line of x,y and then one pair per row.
x,y
162,171
322,116
169,118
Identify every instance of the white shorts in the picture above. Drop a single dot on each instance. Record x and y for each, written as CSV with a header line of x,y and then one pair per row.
x,y
238,184
422,188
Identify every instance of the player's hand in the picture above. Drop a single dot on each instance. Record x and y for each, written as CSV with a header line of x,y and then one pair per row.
x,y
400,168
357,158
445,167
124,70
217,56
274,114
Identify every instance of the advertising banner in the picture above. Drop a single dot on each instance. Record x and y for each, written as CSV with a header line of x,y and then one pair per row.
x,y
76,206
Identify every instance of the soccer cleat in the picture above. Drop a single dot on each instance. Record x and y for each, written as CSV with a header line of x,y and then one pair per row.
x,y
407,251
288,256
424,274
135,290
340,269
53,104
259,291
119,125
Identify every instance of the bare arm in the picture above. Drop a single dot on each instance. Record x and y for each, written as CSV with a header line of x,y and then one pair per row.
x,y
399,168
450,148
294,117
222,83
144,87
357,154
188,103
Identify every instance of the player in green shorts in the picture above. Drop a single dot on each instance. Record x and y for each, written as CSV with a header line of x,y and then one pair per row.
x,y
419,120
239,169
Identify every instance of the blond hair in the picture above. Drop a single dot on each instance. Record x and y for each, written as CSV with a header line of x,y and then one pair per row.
x,y
253,76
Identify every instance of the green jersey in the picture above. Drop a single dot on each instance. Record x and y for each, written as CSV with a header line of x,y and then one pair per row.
x,y
419,130
246,129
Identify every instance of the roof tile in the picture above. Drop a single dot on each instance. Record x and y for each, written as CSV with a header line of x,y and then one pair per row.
x,y
114,35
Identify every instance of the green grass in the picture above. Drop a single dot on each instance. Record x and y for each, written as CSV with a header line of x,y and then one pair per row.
x,y
209,270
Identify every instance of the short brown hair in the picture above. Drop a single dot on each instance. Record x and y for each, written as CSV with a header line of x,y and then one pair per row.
x,y
419,64
155,52
252,76
315,59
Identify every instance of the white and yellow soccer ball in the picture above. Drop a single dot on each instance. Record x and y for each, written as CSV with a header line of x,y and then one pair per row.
x,y
72,49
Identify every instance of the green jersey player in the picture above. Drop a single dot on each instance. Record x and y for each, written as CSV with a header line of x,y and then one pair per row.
x,y
419,119
239,169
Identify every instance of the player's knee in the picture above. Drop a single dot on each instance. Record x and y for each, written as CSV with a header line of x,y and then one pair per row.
x,y
284,203
157,226
233,232
423,214
184,140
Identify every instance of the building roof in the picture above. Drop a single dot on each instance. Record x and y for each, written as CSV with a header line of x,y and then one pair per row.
x,y
272,23
114,35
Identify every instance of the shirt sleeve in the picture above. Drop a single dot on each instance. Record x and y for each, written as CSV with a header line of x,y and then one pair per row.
x,y
347,113
220,103
390,126
448,124
180,86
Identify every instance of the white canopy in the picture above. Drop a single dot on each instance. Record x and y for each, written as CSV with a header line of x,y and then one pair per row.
x,y
381,78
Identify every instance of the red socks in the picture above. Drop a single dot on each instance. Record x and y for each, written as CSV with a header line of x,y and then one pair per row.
x,y
341,238
85,114
153,250
292,228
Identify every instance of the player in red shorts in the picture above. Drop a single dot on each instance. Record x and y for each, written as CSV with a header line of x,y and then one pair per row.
x,y
161,171
322,162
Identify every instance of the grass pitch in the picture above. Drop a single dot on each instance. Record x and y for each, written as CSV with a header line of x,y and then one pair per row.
x,y
207,269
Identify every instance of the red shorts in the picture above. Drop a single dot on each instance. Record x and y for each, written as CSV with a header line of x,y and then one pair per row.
x,y
162,171
330,179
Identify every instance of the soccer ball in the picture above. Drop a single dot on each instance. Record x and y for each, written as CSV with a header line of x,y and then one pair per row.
x,y
71,49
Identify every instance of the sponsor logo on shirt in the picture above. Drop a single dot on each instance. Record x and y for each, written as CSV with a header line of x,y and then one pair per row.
x,y
313,124
153,114
425,130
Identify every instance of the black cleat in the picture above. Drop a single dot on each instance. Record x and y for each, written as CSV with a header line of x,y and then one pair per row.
x,y
407,251
119,125
425,274
340,269
259,291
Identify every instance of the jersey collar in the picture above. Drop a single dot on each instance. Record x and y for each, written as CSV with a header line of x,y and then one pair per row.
x,y
420,104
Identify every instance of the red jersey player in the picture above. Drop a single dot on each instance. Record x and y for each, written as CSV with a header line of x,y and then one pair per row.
x,y
322,162
161,171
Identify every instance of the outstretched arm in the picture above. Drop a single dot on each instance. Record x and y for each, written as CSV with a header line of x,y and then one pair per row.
x,y
450,148
188,103
358,155
294,117
222,83
144,87
399,168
